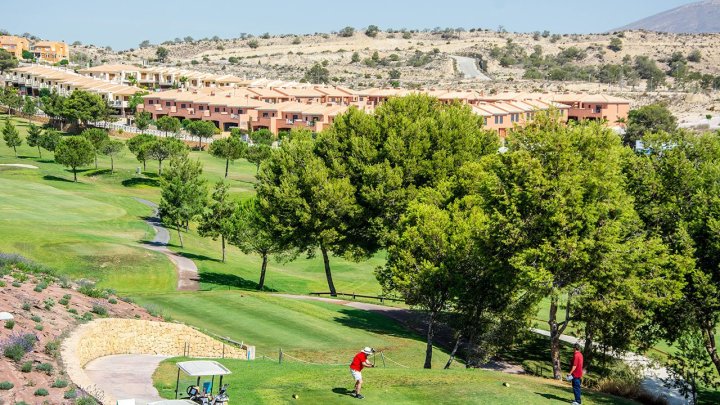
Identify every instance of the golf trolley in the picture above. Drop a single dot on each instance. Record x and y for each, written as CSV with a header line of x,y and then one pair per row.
x,y
203,393
199,397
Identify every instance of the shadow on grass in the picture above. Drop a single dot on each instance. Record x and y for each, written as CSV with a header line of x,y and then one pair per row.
x,y
193,256
97,172
553,397
140,182
376,323
342,391
56,178
46,161
231,280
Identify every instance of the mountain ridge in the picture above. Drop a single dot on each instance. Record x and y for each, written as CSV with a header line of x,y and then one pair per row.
x,y
693,18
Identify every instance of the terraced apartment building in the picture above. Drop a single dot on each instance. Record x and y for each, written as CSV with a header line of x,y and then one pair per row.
x,y
230,101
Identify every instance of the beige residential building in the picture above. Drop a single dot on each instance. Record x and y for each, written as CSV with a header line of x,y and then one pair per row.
x,y
14,45
50,51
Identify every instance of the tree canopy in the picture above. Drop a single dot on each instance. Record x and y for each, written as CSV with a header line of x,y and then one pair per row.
x,y
74,152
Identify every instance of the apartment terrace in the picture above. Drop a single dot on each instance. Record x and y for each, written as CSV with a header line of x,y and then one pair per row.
x,y
31,79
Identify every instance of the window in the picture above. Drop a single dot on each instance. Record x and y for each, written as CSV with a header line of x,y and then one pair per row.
x,y
240,111
217,109
484,120
265,115
528,116
167,104
182,105
514,117
201,108
151,102
295,116
499,119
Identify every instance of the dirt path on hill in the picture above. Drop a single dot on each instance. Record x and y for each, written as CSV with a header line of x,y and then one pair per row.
x,y
188,277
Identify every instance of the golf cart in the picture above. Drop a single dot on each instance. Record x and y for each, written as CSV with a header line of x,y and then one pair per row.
x,y
203,394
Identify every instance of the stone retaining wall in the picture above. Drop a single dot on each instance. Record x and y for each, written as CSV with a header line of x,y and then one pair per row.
x,y
109,336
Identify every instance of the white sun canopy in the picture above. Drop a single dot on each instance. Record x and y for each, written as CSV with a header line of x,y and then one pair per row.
x,y
201,368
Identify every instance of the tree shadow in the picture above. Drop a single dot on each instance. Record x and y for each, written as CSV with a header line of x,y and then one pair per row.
x,y
194,256
375,322
46,161
151,175
97,172
140,181
231,280
56,178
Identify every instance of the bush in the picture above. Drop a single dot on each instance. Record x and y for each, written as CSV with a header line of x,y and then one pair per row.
x,y
70,394
16,284
90,290
38,326
87,316
59,384
73,311
112,301
51,347
99,309
46,368
63,301
41,392
26,367
2,283
49,303
17,345
253,44
9,324
6,385
85,401
36,318
26,306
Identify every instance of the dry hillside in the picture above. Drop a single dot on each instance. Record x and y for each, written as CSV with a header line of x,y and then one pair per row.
x,y
45,309
422,59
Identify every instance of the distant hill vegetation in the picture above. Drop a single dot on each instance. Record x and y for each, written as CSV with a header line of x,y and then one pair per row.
x,y
694,18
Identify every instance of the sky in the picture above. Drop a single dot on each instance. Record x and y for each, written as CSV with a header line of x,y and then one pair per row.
x,y
124,24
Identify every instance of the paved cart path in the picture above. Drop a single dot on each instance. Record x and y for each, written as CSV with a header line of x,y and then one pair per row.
x,y
188,277
126,376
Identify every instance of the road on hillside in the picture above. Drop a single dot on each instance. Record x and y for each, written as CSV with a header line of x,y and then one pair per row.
x,y
469,68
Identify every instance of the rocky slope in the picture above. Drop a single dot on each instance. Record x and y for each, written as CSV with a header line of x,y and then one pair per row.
x,y
694,18
45,309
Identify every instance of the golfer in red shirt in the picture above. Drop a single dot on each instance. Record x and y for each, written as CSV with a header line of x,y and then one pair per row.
x,y
358,363
576,373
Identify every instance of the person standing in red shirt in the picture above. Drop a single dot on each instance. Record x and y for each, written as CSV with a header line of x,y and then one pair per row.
x,y
576,373
358,363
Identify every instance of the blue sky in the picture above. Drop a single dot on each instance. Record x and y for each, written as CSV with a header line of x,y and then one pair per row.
x,y
124,24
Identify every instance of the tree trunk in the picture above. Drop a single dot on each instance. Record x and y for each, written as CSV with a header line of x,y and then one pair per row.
x,y
15,150
112,165
452,354
328,274
144,166
222,241
227,163
180,236
74,174
429,347
554,339
96,161
261,284
588,352
159,167
709,338
39,152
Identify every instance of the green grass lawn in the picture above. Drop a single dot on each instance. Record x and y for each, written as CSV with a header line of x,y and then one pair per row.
x,y
265,382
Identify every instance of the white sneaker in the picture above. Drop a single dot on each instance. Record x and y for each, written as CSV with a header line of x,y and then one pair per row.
x,y
575,403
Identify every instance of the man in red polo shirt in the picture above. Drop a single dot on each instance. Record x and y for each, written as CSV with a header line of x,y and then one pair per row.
x,y
358,363
576,373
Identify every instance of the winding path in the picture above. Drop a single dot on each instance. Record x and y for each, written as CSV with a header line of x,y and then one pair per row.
x,y
188,278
